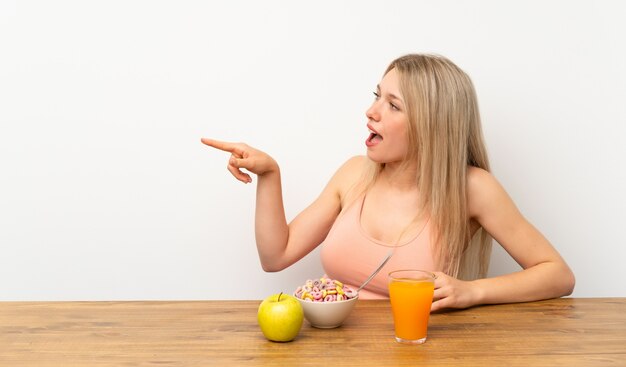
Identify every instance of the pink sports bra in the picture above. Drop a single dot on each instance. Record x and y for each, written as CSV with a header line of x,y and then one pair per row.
x,y
350,255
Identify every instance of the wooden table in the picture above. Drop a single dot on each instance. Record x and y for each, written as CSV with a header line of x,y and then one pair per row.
x,y
562,332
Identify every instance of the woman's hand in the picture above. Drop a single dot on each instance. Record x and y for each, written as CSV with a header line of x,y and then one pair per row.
x,y
244,156
453,293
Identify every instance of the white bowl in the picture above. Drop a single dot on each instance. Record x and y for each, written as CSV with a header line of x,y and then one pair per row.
x,y
327,315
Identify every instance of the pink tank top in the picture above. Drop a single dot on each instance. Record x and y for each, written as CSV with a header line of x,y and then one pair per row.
x,y
350,255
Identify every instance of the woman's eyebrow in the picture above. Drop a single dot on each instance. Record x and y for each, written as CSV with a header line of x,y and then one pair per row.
x,y
390,95
393,96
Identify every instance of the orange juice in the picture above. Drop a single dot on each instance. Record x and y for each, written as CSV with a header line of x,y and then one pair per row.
x,y
411,295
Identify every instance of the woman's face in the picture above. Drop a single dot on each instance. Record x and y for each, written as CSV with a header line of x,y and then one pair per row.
x,y
387,122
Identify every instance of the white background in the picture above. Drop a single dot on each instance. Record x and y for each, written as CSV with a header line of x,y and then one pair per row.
x,y
107,193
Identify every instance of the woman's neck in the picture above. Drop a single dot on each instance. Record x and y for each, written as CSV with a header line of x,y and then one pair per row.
x,y
399,176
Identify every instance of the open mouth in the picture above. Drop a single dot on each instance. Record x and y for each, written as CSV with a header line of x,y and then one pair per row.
x,y
373,139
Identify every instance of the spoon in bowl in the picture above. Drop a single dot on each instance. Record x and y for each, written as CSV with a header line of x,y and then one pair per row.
x,y
376,271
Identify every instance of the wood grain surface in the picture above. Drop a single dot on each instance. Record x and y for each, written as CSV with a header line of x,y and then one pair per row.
x,y
561,332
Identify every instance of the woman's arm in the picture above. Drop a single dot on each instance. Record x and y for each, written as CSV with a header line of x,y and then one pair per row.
x,y
309,228
545,274
280,244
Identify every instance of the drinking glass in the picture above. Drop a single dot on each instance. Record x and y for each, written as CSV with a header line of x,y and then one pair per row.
x,y
411,295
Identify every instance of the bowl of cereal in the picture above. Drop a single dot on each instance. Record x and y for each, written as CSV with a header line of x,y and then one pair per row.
x,y
326,303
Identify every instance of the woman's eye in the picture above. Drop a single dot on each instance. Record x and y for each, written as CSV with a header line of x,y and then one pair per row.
x,y
394,107
376,95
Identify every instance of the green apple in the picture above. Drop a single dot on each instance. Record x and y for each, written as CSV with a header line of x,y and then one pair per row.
x,y
280,317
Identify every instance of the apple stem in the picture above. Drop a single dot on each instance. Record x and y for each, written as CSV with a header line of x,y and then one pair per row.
x,y
281,293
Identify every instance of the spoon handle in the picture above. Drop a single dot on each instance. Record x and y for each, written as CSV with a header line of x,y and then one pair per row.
x,y
376,271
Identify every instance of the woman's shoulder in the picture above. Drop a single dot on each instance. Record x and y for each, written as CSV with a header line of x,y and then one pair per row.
x,y
483,190
351,169
355,164
350,175
477,176
480,179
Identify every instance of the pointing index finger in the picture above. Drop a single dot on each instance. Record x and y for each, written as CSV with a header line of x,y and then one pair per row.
x,y
222,145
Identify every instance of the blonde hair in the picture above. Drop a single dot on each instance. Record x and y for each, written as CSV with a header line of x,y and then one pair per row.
x,y
444,138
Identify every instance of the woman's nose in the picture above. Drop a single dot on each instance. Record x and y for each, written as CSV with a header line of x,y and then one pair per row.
x,y
372,112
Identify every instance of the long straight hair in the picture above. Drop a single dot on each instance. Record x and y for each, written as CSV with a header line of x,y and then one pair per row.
x,y
444,138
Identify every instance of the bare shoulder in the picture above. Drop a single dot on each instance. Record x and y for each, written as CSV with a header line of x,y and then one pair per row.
x,y
478,178
349,175
351,170
354,165
483,191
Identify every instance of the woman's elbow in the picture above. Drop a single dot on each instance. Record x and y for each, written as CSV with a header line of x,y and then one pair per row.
x,y
272,266
568,282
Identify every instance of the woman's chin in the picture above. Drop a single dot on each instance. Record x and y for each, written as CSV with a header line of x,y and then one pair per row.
x,y
373,157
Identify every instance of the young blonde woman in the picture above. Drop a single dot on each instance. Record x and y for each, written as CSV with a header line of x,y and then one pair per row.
x,y
423,191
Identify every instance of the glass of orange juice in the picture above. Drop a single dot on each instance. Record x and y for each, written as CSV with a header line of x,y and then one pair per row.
x,y
411,295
